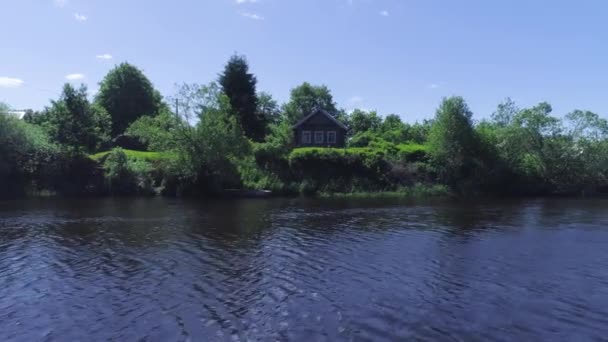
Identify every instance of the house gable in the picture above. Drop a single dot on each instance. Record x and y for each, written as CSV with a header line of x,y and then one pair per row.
x,y
320,118
319,129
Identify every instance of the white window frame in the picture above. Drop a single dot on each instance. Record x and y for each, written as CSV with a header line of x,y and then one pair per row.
x,y
332,134
306,137
321,135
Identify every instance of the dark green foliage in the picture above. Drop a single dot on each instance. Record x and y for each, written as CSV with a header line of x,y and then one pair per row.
x,y
269,109
453,144
361,121
206,146
239,85
412,153
128,176
127,94
419,132
24,150
306,98
209,151
72,173
158,133
339,170
75,123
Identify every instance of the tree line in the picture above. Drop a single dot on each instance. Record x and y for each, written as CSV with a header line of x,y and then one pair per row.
x,y
226,134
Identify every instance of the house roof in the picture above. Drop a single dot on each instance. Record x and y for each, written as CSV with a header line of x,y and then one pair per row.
x,y
323,112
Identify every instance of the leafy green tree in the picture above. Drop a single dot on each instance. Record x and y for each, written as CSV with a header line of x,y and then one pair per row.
x,y
392,122
586,125
452,141
306,98
533,146
73,122
394,130
159,133
24,149
419,131
127,94
505,113
239,85
268,108
362,121
589,144
210,147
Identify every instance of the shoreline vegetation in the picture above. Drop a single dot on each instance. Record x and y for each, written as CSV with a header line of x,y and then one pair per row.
x,y
226,137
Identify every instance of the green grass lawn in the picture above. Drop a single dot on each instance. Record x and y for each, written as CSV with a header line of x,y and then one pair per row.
x,y
148,156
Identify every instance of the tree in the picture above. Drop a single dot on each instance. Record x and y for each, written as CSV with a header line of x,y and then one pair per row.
x,y
239,85
589,133
392,122
24,149
269,108
452,141
419,132
127,94
306,98
72,121
158,132
505,113
361,121
210,139
586,125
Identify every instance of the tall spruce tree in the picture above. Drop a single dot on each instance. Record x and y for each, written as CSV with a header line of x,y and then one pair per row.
x,y
240,87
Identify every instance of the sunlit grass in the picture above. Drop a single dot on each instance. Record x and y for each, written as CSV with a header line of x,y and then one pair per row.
x,y
144,155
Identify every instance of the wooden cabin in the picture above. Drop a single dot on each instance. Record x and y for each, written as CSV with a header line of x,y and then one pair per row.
x,y
319,129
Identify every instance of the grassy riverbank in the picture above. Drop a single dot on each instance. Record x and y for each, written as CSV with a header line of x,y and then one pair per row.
x,y
416,191
142,155
128,141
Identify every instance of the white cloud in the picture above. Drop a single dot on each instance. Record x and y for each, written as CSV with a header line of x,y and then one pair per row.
x,y
104,56
384,13
10,82
60,3
74,77
253,16
355,99
80,17
246,1
436,85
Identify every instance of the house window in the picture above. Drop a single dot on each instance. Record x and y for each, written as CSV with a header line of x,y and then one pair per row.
x,y
306,137
331,137
319,137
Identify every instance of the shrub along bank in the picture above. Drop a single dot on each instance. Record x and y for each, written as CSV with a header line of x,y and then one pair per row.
x,y
227,135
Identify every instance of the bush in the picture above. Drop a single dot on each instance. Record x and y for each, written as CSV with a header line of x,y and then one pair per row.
x,y
126,176
412,152
340,169
157,133
24,150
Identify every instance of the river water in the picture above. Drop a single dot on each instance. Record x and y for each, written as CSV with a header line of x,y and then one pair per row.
x,y
303,270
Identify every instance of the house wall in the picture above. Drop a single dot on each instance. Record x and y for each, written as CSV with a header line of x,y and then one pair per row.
x,y
320,123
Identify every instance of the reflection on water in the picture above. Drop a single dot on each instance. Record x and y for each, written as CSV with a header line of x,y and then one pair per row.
x,y
306,270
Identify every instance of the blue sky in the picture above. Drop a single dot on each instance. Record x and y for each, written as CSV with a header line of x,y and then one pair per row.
x,y
396,56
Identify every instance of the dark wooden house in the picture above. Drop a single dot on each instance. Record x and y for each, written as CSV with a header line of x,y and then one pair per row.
x,y
319,129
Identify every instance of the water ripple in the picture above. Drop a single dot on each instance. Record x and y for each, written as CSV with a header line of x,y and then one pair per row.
x,y
303,270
